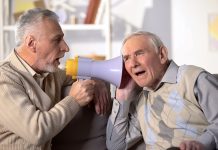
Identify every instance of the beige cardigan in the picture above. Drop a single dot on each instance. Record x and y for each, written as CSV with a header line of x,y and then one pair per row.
x,y
30,117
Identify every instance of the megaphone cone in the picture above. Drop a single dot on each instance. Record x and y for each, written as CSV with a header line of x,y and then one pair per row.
x,y
83,68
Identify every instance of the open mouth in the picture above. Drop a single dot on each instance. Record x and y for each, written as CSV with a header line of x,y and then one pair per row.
x,y
140,73
58,59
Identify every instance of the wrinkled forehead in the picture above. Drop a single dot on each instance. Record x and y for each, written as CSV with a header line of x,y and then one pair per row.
x,y
50,23
135,43
49,26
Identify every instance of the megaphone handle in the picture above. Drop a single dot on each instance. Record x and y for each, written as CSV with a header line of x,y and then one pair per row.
x,y
81,79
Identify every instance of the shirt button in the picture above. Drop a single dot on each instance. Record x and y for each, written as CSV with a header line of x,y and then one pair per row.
x,y
115,112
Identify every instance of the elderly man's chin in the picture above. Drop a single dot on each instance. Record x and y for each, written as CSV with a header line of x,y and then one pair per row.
x,y
52,68
140,83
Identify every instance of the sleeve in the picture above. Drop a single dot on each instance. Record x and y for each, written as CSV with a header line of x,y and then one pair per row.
x,y
20,116
123,129
206,91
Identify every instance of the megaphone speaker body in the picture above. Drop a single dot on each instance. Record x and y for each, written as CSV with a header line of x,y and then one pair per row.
x,y
108,70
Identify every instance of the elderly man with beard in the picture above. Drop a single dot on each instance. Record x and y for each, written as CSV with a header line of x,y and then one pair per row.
x,y
31,109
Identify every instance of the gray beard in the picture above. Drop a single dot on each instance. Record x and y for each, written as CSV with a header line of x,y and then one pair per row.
x,y
50,68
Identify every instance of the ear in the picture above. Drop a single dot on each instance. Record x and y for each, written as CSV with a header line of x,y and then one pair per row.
x,y
163,54
30,42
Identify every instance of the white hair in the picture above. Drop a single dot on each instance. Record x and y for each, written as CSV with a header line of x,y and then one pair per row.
x,y
155,40
28,19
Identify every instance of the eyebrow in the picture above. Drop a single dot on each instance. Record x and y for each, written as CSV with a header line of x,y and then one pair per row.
x,y
138,50
58,36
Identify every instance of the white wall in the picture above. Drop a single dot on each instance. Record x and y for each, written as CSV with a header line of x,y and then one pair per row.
x,y
132,15
190,33
181,24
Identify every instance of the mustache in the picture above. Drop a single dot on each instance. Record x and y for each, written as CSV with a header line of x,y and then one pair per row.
x,y
61,56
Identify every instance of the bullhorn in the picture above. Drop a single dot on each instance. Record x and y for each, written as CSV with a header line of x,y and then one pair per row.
x,y
85,68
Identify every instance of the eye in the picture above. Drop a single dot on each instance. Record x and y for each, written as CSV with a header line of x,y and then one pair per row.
x,y
58,40
138,53
125,58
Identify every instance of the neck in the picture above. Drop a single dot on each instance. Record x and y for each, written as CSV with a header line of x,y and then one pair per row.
x,y
161,75
26,55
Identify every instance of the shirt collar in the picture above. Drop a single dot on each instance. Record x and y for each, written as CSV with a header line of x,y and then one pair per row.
x,y
29,69
26,65
170,75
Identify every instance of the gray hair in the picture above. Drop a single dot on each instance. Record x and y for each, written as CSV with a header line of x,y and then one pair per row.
x,y
28,19
155,40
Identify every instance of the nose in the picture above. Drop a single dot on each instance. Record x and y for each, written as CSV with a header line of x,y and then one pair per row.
x,y
64,46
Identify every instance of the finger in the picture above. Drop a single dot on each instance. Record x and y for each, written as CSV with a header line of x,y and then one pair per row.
x,y
97,109
188,146
182,146
99,101
104,102
89,98
196,146
107,106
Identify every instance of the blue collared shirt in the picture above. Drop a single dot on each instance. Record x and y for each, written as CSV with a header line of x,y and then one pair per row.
x,y
123,128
